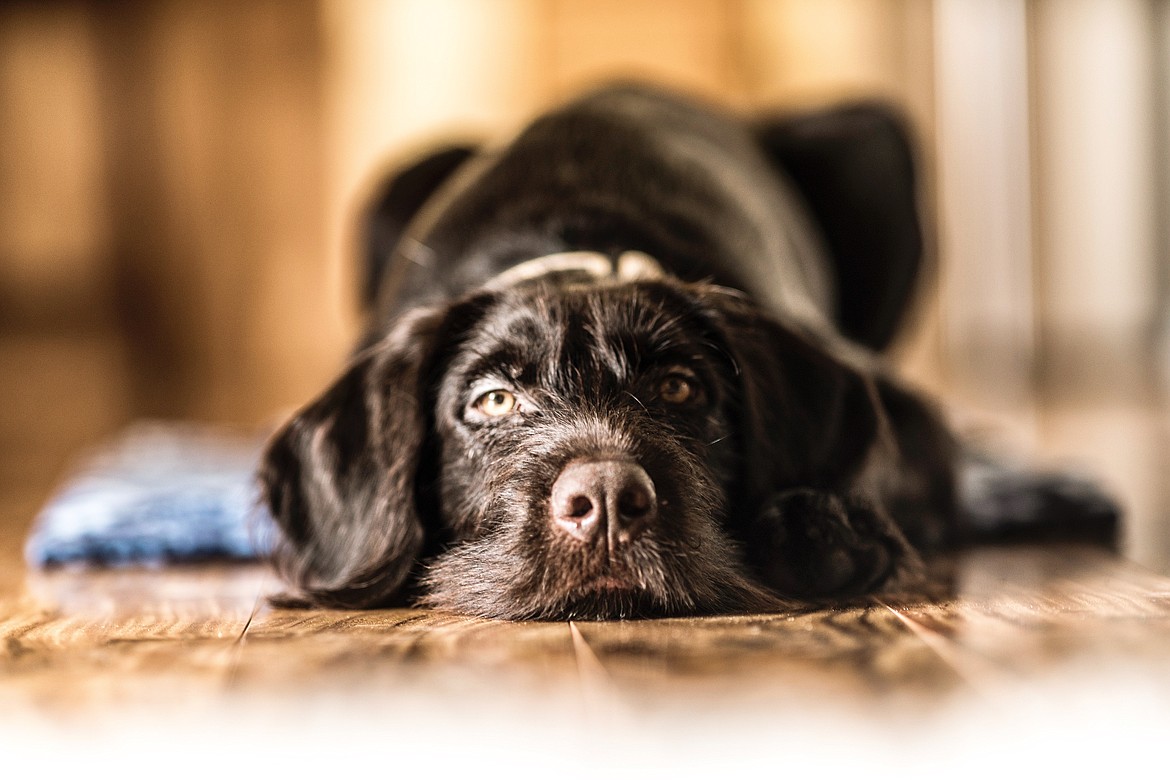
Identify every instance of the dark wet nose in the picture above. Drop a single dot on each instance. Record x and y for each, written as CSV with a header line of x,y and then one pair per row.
x,y
603,498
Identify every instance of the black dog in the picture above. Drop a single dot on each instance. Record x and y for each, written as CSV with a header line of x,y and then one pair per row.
x,y
624,366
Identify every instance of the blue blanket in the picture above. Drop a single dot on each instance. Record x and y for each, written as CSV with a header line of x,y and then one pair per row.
x,y
159,493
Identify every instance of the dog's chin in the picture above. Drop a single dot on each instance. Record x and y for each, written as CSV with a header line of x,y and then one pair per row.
x,y
604,598
486,579
617,592
608,598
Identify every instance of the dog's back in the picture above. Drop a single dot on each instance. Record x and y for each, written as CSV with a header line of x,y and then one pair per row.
x,y
710,197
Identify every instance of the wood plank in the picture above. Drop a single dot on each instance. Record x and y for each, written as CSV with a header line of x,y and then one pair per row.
x,y
91,639
1056,656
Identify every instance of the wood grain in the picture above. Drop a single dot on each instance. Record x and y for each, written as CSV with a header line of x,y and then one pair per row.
x,y
85,640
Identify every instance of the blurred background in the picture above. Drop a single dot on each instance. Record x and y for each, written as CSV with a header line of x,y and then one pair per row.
x,y
179,180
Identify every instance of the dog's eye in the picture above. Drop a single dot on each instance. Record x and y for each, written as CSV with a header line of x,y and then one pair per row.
x,y
496,403
676,389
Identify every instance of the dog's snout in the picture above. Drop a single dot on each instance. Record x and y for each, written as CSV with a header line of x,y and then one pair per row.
x,y
612,499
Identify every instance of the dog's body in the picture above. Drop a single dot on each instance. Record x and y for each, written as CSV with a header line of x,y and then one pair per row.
x,y
623,366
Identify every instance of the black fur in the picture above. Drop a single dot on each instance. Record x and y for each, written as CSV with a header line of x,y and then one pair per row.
x,y
790,469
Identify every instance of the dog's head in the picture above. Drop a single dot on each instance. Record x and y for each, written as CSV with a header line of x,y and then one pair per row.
x,y
568,450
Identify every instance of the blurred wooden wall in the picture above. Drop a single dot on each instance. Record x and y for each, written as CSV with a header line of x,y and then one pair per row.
x,y
162,198
179,180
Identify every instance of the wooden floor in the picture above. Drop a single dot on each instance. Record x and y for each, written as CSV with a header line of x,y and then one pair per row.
x,y
1057,658
1048,646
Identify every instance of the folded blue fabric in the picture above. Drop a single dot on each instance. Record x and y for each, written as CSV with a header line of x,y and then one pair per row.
x,y
160,493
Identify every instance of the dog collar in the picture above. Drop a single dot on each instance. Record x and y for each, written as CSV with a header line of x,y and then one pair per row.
x,y
630,266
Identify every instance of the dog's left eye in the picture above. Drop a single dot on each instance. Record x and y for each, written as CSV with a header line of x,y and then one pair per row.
x,y
496,403
676,389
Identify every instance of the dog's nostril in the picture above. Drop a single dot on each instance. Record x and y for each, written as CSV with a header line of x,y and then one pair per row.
x,y
579,506
635,502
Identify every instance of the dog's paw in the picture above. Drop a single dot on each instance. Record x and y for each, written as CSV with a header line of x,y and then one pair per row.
x,y
818,545
1005,501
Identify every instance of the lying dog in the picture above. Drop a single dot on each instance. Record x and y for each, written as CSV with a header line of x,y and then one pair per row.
x,y
624,366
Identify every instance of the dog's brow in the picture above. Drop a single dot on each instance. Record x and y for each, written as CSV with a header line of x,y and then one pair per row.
x,y
509,362
652,350
500,363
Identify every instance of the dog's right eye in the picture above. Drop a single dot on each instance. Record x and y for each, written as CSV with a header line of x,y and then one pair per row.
x,y
496,403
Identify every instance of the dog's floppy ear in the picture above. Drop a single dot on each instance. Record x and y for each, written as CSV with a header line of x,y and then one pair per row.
x,y
854,167
807,418
339,478
399,197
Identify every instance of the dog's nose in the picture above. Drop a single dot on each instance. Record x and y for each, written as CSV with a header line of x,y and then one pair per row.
x,y
610,498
